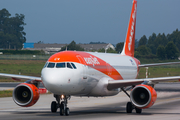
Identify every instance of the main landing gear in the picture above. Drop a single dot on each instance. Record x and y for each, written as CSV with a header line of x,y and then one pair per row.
x,y
61,103
129,106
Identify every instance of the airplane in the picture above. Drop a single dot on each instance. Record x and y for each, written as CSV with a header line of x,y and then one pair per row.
x,y
92,74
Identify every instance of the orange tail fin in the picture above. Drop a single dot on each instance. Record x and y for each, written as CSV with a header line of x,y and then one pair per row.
x,y
130,37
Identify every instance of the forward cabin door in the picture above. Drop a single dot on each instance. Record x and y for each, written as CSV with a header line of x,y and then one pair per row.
x,y
84,66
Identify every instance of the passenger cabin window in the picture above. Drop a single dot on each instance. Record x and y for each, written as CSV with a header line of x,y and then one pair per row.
x,y
60,65
69,65
51,65
73,65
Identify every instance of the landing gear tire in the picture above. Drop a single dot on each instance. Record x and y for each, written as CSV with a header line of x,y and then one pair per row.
x,y
61,111
67,111
138,110
53,106
129,107
62,108
62,101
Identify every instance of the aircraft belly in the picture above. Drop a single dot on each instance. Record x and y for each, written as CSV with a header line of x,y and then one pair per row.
x,y
101,89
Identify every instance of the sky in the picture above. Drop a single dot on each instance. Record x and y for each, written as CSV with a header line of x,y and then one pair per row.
x,y
84,21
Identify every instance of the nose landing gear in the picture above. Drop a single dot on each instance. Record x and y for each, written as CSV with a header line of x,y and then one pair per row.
x,y
61,103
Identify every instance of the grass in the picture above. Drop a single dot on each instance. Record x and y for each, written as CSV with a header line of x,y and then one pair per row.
x,y
161,71
24,67
147,61
6,93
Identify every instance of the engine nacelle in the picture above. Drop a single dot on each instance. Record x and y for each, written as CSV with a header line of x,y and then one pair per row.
x,y
143,96
25,95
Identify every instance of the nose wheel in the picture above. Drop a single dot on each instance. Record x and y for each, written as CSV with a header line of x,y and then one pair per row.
x,y
61,103
64,110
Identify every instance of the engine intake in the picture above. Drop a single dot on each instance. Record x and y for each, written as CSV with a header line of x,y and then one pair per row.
x,y
25,94
143,96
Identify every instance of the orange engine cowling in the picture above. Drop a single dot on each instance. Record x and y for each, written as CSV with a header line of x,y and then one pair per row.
x,y
143,96
25,95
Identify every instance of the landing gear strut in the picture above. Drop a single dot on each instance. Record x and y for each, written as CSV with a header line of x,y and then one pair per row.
x,y
61,103
130,106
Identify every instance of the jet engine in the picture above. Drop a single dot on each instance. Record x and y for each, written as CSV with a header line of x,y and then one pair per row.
x,y
25,95
143,96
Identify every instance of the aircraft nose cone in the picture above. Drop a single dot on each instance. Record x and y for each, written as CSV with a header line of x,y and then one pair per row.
x,y
55,80
50,79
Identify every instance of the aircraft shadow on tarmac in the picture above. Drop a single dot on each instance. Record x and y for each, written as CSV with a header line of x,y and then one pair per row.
x,y
108,110
94,113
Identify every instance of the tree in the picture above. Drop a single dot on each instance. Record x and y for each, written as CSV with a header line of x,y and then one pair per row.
x,y
136,43
11,30
175,37
151,39
101,50
142,41
150,43
153,48
40,42
119,47
72,46
160,40
137,54
143,50
110,50
161,52
171,50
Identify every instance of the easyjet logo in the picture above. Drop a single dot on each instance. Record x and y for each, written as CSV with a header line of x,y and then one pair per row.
x,y
91,60
132,28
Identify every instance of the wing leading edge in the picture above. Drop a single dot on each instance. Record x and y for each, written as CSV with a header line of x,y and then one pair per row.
x,y
19,77
158,64
113,84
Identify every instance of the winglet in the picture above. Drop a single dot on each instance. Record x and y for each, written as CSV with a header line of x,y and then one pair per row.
x,y
130,37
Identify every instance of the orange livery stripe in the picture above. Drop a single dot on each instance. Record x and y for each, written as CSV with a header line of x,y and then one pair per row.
x,y
86,59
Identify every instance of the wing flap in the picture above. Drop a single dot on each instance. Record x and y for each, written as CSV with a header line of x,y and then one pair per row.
x,y
19,77
113,84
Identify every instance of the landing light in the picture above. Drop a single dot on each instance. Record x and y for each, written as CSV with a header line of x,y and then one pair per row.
x,y
62,96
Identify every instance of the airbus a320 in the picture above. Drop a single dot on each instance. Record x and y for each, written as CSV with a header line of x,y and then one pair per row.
x,y
92,74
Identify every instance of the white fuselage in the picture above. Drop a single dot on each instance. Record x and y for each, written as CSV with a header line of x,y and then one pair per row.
x,y
85,80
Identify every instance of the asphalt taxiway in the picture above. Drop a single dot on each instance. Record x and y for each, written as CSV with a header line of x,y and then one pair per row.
x,y
167,107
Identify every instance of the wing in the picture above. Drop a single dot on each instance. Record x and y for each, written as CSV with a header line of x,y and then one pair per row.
x,y
158,64
19,77
113,84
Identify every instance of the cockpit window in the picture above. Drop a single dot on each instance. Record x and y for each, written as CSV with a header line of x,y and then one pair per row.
x,y
69,65
46,64
73,65
51,65
60,65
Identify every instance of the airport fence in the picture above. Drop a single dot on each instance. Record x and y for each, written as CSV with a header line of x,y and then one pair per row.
x,y
24,57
